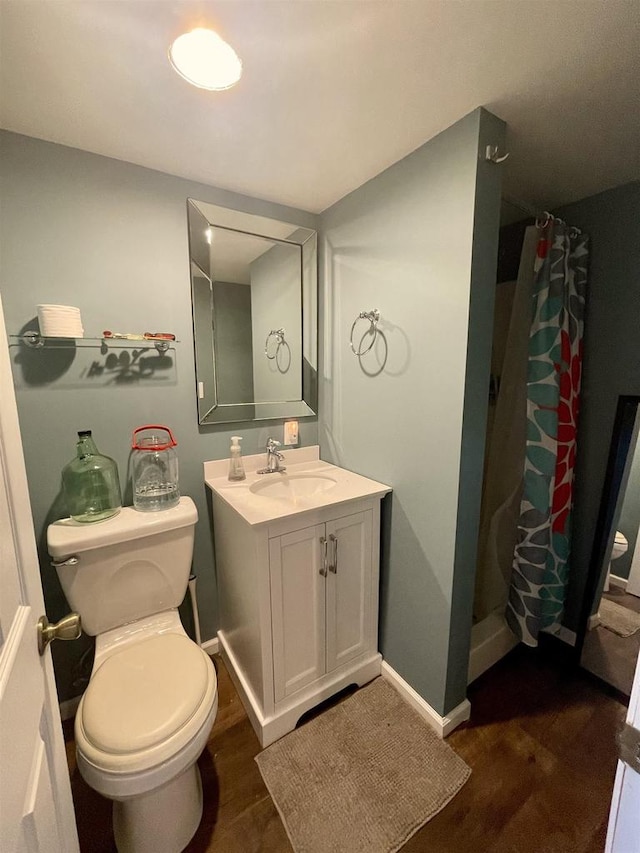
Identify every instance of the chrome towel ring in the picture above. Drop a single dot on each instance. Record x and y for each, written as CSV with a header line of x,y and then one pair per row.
x,y
279,336
373,317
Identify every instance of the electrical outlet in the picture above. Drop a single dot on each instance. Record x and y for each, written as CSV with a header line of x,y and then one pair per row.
x,y
290,432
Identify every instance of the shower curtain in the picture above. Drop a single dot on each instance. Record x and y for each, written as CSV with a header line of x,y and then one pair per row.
x,y
541,558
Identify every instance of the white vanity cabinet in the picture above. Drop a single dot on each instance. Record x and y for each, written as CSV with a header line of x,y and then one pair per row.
x,y
321,600
297,594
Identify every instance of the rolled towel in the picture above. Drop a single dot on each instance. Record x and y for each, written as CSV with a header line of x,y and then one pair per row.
x,y
60,321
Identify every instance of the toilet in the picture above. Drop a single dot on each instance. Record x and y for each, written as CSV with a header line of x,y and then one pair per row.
x,y
619,547
152,698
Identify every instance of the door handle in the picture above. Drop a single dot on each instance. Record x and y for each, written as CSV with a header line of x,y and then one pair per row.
x,y
323,565
333,565
68,628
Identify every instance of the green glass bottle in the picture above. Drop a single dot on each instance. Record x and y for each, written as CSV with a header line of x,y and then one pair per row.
x,y
90,483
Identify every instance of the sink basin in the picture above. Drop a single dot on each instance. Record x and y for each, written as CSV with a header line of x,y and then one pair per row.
x,y
293,486
309,483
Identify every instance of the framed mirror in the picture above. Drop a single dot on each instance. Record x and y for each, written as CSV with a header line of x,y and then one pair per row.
x,y
254,300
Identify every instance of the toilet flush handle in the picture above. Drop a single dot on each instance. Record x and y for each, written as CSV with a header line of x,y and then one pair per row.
x,y
68,561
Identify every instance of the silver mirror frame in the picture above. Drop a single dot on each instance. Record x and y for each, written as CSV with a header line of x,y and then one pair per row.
x,y
200,217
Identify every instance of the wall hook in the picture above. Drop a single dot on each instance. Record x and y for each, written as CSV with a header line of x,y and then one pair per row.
x,y
491,154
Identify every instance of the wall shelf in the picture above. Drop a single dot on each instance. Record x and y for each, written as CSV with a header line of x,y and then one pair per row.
x,y
34,340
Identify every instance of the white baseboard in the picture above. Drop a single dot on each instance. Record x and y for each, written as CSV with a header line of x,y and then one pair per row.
x,y
246,694
567,636
211,647
69,707
620,583
593,621
442,726
491,640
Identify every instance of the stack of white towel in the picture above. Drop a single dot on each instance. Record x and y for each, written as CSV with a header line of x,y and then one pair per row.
x,y
60,321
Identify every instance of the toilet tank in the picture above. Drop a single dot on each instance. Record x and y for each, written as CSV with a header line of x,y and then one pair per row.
x,y
130,566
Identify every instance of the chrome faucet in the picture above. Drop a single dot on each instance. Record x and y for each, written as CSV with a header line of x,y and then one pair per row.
x,y
274,458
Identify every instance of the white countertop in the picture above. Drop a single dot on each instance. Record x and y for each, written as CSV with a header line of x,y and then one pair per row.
x,y
260,509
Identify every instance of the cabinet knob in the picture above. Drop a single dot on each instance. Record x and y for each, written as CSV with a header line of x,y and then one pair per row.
x,y
323,564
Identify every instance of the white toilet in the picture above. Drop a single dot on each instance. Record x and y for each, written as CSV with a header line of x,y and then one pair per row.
x,y
152,698
619,547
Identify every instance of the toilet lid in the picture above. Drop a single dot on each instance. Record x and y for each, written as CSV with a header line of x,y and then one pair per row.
x,y
144,694
620,538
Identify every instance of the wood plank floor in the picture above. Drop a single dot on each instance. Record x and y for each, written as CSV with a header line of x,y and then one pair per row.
x,y
541,745
610,657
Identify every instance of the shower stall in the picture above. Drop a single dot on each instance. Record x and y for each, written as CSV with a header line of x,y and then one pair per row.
x,y
524,543
491,638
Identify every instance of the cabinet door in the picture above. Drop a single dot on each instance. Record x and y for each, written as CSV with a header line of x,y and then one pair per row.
x,y
349,589
297,609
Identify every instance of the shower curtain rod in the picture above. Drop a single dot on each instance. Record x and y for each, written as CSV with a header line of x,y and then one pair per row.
x,y
542,217
526,208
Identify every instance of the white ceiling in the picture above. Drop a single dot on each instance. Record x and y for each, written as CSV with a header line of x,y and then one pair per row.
x,y
232,251
232,254
333,91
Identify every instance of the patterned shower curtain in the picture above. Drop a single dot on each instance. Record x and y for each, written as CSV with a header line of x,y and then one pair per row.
x,y
541,557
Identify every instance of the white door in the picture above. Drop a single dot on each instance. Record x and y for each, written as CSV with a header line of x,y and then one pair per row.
x,y
36,812
297,569
623,835
349,588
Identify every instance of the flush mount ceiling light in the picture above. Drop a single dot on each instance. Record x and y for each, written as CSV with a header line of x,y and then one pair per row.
x,y
205,60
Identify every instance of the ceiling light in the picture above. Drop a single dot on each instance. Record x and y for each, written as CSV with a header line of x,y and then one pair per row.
x,y
205,60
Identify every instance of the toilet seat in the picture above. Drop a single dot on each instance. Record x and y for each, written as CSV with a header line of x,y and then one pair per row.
x,y
145,703
144,694
620,540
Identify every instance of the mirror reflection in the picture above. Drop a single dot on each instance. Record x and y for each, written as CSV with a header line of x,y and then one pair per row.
x,y
254,297
612,642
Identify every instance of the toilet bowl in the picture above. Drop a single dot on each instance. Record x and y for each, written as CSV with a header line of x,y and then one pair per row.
x,y
151,701
619,547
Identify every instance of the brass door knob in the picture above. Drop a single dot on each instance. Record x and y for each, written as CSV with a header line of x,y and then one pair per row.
x,y
68,628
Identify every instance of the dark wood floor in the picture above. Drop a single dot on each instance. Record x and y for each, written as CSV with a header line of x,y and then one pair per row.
x,y
541,745
610,657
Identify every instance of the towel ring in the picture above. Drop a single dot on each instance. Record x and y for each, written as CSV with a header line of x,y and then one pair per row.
x,y
373,317
279,335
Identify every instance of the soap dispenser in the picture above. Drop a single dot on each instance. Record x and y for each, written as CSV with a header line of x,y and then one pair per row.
x,y
236,468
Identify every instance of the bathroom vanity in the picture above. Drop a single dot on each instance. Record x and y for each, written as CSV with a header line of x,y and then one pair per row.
x,y
297,562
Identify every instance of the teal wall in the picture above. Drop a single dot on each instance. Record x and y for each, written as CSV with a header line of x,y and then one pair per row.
x,y
234,361
611,364
418,242
111,238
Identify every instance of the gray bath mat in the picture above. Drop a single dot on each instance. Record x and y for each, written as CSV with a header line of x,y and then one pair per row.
x,y
362,777
618,619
